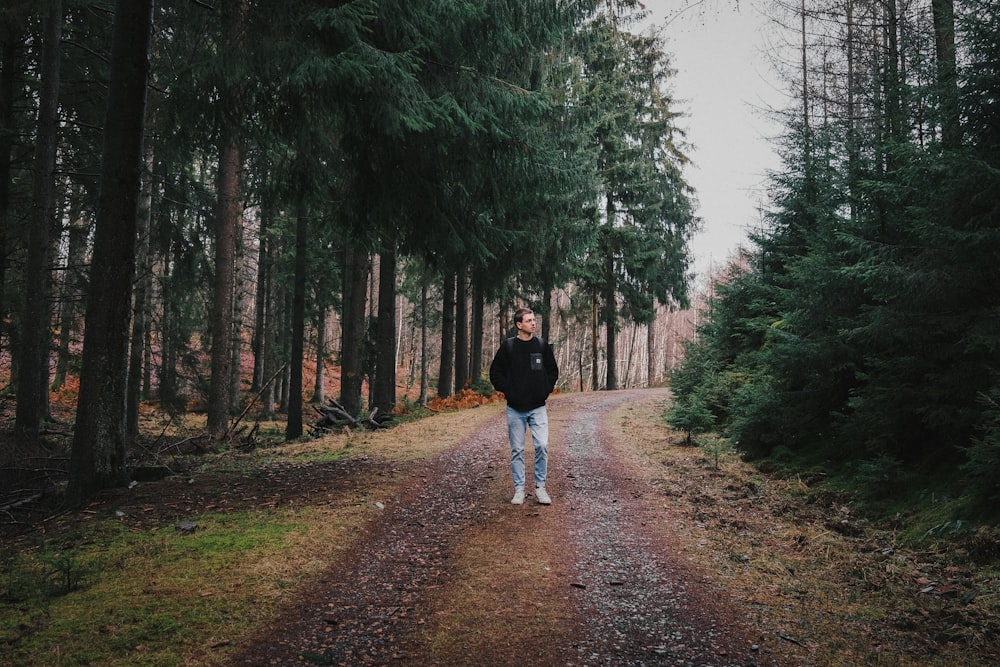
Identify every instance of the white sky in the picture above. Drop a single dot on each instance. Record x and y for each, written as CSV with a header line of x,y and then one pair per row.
x,y
723,82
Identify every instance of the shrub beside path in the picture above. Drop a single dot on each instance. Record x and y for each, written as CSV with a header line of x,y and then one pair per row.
x,y
451,574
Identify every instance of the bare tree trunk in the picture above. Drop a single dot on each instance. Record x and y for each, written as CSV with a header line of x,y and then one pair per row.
x,y
98,456
461,328
611,322
423,342
594,350
357,268
261,312
947,71
268,330
36,320
228,216
445,373
222,301
652,355
293,428
140,326
240,295
478,322
384,389
72,292
319,385
11,39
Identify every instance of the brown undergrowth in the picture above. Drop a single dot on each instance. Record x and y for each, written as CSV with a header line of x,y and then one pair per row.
x,y
809,571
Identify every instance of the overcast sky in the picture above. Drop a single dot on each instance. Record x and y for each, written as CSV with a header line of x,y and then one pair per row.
x,y
719,51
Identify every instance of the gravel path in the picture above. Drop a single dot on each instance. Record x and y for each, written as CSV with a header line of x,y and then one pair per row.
x,y
641,608
635,603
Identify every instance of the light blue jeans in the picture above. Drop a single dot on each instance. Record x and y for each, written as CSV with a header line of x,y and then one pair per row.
x,y
518,424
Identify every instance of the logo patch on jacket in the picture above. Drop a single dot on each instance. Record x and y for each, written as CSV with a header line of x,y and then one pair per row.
x,y
536,361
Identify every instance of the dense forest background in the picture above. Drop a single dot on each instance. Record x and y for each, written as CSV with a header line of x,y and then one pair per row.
x,y
217,206
858,336
254,204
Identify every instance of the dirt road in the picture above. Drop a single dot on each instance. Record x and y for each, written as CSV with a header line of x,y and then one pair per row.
x,y
451,574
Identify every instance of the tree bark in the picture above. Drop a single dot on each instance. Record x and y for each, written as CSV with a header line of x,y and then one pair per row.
x,y
11,39
423,342
594,347
222,301
461,328
446,370
611,322
651,355
947,71
384,389
268,329
319,383
293,428
71,294
260,305
357,268
97,459
478,322
36,321
227,219
140,327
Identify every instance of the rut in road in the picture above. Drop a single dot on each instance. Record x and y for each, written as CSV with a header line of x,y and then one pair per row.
x,y
631,601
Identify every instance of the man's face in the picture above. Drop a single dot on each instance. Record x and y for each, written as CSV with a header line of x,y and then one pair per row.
x,y
527,324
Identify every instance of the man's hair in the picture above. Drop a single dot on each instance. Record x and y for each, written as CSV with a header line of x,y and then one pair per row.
x,y
520,313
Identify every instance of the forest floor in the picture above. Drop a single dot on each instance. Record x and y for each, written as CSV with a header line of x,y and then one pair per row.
x,y
651,553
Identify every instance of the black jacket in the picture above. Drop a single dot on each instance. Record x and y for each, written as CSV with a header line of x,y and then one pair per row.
x,y
525,371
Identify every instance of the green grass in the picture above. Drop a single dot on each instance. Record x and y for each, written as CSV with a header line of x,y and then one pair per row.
x,y
147,597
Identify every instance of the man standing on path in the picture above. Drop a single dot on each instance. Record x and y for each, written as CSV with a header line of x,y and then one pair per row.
x,y
525,370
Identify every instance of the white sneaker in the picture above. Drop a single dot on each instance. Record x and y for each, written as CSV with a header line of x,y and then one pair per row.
x,y
542,496
518,498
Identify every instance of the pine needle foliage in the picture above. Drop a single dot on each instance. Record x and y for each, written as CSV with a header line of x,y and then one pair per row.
x,y
861,332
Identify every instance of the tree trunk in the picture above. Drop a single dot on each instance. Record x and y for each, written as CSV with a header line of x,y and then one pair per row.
x,y
140,328
268,330
73,290
227,219
240,295
423,342
169,391
947,71
319,383
478,322
384,389
652,372
611,322
893,83
36,321
594,348
461,328
98,456
445,372
357,268
293,429
11,40
222,300
260,304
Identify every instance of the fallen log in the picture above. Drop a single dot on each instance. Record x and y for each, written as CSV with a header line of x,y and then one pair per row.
x,y
21,502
